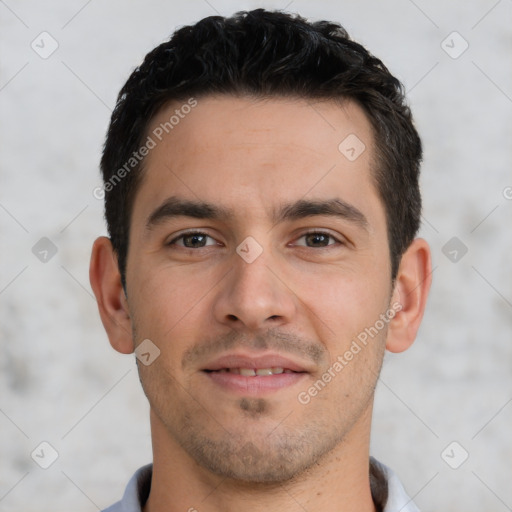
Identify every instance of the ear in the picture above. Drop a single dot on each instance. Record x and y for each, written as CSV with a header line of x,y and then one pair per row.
x,y
112,304
412,285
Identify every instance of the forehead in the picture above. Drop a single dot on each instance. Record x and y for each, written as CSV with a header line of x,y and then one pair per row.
x,y
250,153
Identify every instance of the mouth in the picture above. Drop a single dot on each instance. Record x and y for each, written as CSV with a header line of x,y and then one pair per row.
x,y
253,372
254,376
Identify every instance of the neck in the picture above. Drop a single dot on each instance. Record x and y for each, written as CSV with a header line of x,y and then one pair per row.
x,y
338,482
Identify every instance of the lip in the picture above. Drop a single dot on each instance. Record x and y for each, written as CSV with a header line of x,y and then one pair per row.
x,y
254,385
255,362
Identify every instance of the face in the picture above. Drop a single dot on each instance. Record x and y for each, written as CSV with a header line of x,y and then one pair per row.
x,y
258,259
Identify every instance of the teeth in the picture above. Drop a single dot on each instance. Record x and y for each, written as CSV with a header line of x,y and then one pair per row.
x,y
264,371
250,372
247,372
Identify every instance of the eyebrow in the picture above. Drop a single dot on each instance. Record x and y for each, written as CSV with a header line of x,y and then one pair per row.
x,y
175,206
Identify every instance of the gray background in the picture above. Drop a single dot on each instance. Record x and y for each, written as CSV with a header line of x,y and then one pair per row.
x,y
60,381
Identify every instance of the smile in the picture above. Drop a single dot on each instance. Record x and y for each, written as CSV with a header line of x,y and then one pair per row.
x,y
253,372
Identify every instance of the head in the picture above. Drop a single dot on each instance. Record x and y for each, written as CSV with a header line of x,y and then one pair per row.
x,y
287,153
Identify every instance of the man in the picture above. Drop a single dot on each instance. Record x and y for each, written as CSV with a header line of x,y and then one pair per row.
x,y
261,194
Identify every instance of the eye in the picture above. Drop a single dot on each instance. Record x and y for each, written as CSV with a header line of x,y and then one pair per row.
x,y
192,240
318,239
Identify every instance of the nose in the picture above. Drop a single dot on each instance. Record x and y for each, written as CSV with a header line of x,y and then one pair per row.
x,y
255,295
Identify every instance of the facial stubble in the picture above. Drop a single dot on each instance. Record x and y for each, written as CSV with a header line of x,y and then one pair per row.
x,y
255,442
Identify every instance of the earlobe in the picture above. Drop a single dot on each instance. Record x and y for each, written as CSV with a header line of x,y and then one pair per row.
x,y
112,303
412,285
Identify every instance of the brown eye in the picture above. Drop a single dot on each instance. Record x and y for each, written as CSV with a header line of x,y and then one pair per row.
x,y
192,240
318,239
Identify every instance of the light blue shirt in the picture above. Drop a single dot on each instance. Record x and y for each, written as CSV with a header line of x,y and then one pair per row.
x,y
137,491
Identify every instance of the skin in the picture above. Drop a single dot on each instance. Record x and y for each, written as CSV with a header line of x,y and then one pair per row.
x,y
304,297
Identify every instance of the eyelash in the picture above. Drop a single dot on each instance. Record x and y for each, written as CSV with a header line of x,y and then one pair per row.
x,y
313,232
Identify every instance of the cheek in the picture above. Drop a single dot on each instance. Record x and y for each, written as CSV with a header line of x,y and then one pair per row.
x,y
162,304
341,305
172,308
